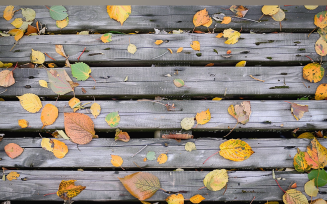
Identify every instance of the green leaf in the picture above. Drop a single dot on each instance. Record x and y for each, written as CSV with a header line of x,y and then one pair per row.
x,y
58,13
113,119
151,155
106,37
29,14
320,175
81,71
58,82
179,82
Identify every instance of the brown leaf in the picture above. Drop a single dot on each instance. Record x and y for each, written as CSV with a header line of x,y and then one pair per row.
x,y
177,136
30,30
60,50
6,78
298,110
240,10
122,136
241,112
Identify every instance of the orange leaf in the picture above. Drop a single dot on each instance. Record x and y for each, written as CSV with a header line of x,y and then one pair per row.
x,y
13,176
316,155
197,199
23,123
226,20
8,13
219,35
321,92
320,19
180,49
116,160
235,150
122,136
203,117
208,24
195,45
162,158
175,199
68,190
228,52
210,65
30,30
299,162
79,127
141,185
6,78
13,150
17,33
119,13
201,18
60,149
170,50
49,114
72,102
158,42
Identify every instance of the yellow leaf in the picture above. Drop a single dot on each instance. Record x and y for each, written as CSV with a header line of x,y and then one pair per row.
x,y
18,22
201,18
241,64
226,20
175,199
216,179
311,7
72,102
232,36
47,144
279,16
60,149
208,24
1,64
195,45
43,83
217,99
270,9
63,23
171,52
321,92
49,114
190,146
8,65
119,13
180,50
321,47
52,65
8,13
307,135
17,33
23,123
116,160
30,102
235,150
162,158
187,123
293,196
95,109
158,42
37,57
131,48
203,117
219,35
13,176
67,189
197,199
310,188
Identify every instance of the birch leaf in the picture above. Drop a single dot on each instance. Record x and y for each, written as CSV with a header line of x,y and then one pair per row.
x,y
63,23
23,123
235,150
13,150
201,17
197,199
311,189
30,102
116,160
175,199
131,48
17,33
203,117
17,23
313,72
216,179
293,196
28,13
113,119
6,78
58,82
119,13
95,109
80,71
37,57
8,13
49,114
316,156
58,13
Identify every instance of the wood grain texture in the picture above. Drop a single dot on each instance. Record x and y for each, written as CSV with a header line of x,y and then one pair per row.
x,y
271,115
148,82
105,186
269,153
146,18
257,49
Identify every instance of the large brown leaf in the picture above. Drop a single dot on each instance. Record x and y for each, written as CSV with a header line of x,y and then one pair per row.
x,y
79,127
141,185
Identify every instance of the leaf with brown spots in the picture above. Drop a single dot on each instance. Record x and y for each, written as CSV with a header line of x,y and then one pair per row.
x,y
300,164
321,92
313,72
68,190
316,156
201,18
175,199
241,112
235,150
294,196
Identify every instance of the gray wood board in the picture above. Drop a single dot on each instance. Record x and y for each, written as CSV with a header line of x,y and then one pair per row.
x,y
148,82
273,115
105,185
257,49
269,153
146,18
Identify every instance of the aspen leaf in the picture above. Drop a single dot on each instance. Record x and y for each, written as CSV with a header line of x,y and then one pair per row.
x,y
279,16
6,78
319,201
316,156
60,50
179,49
43,83
195,45
197,199
72,103
67,189
240,10
81,71
49,114
320,19
8,13
319,176
60,149
241,64
226,20
116,160
216,179
175,199
106,37
321,47
23,123
307,135
313,72
63,23
95,110
311,7
13,176
208,24
300,164
217,99
321,92
294,196
270,9
58,13
179,82
13,150
141,185
203,117
79,127
58,81
201,18
231,35
113,119
311,189
17,23
241,112
151,155
187,123
235,150
158,42
37,57
122,136
162,158
119,13
298,110
17,33
131,48
190,146
28,13
47,144
30,102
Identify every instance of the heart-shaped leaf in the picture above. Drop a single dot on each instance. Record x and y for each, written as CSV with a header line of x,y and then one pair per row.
x,y
58,13
216,179
81,71
319,176
119,13
13,150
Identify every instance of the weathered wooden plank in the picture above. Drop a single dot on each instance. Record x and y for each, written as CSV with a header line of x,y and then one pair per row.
x,y
146,18
105,185
277,153
148,82
257,49
148,116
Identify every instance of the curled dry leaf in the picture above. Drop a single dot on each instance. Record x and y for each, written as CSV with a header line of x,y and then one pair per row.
x,y
201,18
60,50
197,199
141,185
95,109
311,189
23,123
162,158
8,13
187,123
30,102
190,146
175,199
298,110
116,160
73,102
119,13
17,33
13,176
216,179
13,150
270,9
321,92
235,150
113,119
37,57
67,189
203,117
294,196
313,72
6,78
122,136
240,10
300,164
195,45
158,42
316,156
49,114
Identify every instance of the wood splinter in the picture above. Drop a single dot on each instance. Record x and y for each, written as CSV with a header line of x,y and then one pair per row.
x,y
256,78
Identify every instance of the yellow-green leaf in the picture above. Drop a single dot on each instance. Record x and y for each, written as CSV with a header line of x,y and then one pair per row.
x,y
300,164
30,102
293,196
113,119
241,64
235,150
216,179
313,72
310,188
18,22
37,57
119,13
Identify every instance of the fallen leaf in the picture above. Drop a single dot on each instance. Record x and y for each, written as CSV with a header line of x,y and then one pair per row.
x,y
298,110
28,14
179,49
190,146
25,25
187,123
60,50
171,52
197,199
162,158
235,150
119,13
316,156
310,188
323,33
241,112
60,149
30,102
195,45
17,33
320,19
321,47
17,23
203,117
209,65
13,176
122,136
47,144
7,65
58,13
37,57
321,92
116,160
226,20
300,164
241,64
72,103
58,82
67,189
113,119
49,114
270,9
231,35
175,199
201,18
313,72
131,48
106,37
43,83
279,16
216,179
6,78
294,196
307,135
23,123
80,71
52,65
219,35
319,201
311,7
151,155
179,82
319,176
63,134
79,127
63,23
13,150
95,110
158,42
240,11
144,159
8,13
217,99
228,52
141,185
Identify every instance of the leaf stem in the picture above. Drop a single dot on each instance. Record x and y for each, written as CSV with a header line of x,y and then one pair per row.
x,y
49,194
81,53
201,187
210,156
49,56
279,186
231,130
252,199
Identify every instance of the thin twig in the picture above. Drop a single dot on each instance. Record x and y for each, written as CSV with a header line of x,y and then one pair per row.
x,y
231,130
246,19
304,85
152,101
225,92
309,58
40,135
279,186
201,187
3,91
93,79
138,165
252,199
49,56
81,53
261,17
311,32
280,28
210,157
256,78
13,46
140,150
225,189
49,194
